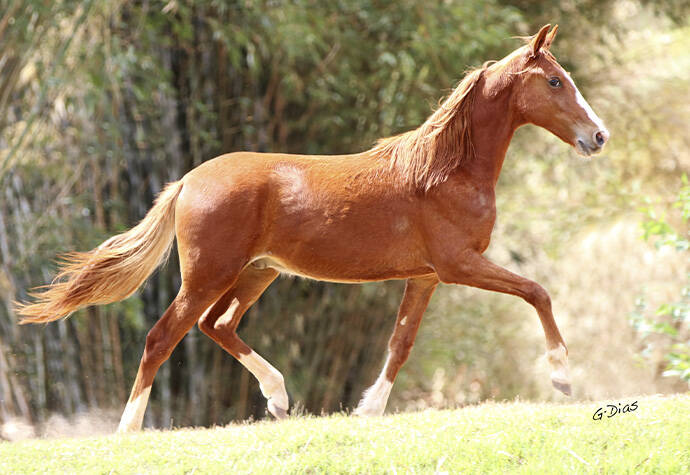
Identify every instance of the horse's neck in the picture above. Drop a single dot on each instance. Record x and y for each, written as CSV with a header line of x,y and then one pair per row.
x,y
493,124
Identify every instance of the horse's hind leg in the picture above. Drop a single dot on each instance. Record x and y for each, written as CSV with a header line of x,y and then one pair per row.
x,y
415,300
220,323
177,320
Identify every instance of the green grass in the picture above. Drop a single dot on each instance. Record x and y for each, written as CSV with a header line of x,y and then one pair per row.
x,y
492,437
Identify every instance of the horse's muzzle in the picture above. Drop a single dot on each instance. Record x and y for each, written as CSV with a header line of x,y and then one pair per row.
x,y
597,142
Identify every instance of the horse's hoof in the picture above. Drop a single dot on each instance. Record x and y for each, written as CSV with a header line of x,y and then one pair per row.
x,y
562,387
124,429
278,412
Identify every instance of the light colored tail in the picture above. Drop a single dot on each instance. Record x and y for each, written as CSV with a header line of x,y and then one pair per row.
x,y
112,271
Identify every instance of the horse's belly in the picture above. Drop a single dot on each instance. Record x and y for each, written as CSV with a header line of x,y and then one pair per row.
x,y
343,271
344,233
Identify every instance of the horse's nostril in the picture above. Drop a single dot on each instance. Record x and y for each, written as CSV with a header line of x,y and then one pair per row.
x,y
600,138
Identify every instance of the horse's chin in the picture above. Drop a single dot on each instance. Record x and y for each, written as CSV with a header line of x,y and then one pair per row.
x,y
585,150
583,153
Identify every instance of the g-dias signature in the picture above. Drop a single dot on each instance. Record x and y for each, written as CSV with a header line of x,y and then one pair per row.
x,y
611,410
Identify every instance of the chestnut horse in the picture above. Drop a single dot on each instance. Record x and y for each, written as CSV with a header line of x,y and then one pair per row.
x,y
419,206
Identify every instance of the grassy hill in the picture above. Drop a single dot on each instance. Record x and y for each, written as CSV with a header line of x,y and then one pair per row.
x,y
506,437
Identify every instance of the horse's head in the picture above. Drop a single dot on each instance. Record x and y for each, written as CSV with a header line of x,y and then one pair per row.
x,y
545,95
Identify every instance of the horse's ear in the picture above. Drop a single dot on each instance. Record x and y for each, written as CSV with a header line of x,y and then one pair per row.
x,y
549,37
538,40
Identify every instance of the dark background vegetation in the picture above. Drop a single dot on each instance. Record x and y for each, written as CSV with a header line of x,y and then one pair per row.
x,y
102,103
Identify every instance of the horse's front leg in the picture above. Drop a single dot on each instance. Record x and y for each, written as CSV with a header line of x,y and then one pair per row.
x,y
473,269
418,291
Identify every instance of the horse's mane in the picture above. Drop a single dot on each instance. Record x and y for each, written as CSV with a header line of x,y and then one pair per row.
x,y
425,156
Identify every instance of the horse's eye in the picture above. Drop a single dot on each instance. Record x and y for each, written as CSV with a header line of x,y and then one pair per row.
x,y
555,82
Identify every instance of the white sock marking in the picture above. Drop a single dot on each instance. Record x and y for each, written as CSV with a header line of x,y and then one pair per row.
x,y
271,381
559,362
375,399
133,415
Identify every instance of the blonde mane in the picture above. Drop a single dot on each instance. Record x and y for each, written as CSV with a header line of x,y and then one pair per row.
x,y
425,156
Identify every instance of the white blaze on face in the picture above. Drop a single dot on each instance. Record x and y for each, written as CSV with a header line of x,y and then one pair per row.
x,y
586,107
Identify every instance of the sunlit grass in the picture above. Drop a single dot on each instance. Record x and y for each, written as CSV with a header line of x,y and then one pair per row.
x,y
508,437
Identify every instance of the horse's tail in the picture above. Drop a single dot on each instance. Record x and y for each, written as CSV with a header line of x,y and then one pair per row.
x,y
112,271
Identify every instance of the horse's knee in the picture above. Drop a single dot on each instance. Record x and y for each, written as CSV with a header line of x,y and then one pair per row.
x,y
537,296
